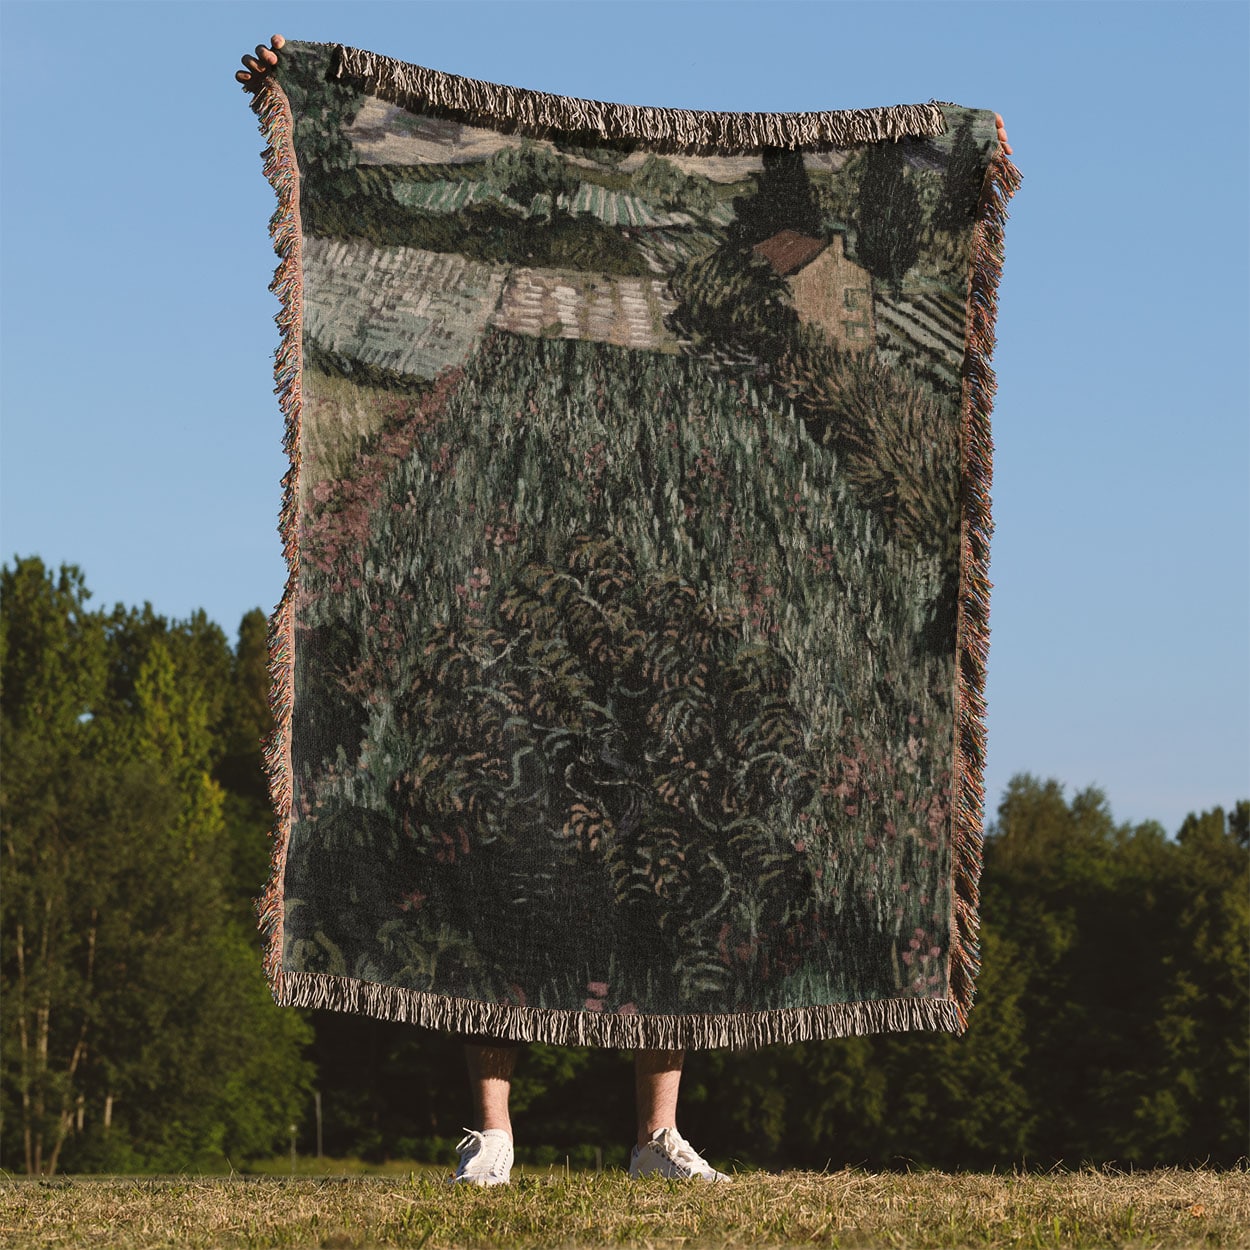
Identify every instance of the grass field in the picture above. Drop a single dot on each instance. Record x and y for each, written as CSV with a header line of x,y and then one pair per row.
x,y
851,1208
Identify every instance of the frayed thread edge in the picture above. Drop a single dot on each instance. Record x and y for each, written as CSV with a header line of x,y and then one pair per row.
x,y
541,113
272,107
728,1030
973,627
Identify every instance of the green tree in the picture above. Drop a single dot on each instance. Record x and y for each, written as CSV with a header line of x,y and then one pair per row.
x,y
888,217
887,427
782,198
1133,945
732,304
142,1032
246,724
961,181
1199,1110
528,169
663,183
52,677
882,1100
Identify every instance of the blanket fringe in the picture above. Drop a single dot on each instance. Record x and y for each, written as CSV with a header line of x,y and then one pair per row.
x,y
539,113
272,107
745,1030
973,628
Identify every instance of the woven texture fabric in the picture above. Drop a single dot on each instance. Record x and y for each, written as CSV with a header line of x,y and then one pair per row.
x,y
628,676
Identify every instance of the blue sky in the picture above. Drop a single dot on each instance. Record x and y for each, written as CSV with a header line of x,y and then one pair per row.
x,y
141,439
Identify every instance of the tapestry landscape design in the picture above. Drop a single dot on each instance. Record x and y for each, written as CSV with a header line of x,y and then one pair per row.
x,y
629,673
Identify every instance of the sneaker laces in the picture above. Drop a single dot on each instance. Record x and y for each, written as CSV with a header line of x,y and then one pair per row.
x,y
498,1143
682,1152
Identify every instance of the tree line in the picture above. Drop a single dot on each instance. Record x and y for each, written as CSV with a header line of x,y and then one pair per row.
x,y
137,1032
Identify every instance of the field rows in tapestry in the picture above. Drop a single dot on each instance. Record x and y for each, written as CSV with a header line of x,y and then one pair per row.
x,y
625,639
421,231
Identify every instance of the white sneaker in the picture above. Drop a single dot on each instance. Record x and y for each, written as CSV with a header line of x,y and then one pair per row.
x,y
668,1153
485,1158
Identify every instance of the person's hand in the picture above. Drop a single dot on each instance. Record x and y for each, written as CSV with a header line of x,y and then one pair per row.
x,y
998,117
259,65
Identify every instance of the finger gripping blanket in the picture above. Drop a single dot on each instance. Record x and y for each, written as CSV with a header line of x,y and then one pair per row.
x,y
627,680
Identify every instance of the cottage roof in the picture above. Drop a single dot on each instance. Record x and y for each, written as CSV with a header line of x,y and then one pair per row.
x,y
789,250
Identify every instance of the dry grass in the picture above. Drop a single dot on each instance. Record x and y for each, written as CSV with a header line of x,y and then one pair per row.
x,y
1170,1207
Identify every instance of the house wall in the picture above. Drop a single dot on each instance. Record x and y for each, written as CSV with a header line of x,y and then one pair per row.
x,y
835,293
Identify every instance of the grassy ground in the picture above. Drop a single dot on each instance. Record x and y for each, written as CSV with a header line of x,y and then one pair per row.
x,y
1172,1207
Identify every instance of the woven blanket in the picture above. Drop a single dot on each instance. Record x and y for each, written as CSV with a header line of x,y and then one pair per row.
x,y
628,677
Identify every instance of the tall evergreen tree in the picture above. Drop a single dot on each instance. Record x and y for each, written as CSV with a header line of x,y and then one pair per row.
x,y
1118,926
247,810
782,199
141,1033
889,216
52,676
961,182
1199,1109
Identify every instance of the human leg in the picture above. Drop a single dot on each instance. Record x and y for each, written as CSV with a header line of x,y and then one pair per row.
x,y
491,1062
660,1148
657,1078
486,1153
